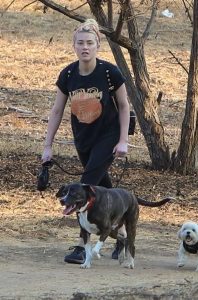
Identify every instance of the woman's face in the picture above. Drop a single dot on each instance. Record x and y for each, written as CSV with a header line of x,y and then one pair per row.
x,y
85,46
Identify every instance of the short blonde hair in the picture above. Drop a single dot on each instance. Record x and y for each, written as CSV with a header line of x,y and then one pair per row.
x,y
91,26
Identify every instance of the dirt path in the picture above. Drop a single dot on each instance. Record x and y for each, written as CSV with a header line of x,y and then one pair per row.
x,y
34,269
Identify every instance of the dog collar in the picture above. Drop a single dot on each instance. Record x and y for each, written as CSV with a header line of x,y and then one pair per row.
x,y
90,201
191,248
89,205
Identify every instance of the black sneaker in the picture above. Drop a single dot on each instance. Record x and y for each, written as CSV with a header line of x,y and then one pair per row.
x,y
118,248
77,256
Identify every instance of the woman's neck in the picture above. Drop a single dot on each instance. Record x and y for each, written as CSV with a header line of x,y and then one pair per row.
x,y
86,68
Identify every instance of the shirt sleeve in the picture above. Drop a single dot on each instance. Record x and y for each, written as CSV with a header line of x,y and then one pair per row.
x,y
62,81
117,78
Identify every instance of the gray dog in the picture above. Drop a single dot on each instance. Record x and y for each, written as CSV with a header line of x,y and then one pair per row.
x,y
105,212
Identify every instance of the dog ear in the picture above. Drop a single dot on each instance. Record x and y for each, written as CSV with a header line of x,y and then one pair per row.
x,y
62,189
89,189
179,233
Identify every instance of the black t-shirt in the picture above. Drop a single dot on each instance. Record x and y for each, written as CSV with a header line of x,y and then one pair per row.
x,y
93,113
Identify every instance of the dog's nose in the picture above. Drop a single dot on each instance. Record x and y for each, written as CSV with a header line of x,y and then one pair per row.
x,y
188,232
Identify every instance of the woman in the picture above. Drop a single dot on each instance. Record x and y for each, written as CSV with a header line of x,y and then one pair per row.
x,y
99,128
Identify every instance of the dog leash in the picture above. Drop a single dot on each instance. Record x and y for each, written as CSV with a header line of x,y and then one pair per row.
x,y
86,172
43,176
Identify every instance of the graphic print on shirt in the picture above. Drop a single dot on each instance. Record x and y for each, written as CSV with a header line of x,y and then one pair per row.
x,y
86,105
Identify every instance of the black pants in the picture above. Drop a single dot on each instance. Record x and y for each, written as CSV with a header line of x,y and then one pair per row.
x,y
97,160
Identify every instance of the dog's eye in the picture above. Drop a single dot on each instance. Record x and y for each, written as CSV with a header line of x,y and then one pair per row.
x,y
193,230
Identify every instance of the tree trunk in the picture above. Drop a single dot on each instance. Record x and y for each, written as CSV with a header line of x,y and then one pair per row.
x,y
186,161
146,106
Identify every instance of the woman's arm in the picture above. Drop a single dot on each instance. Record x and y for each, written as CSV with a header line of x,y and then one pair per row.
x,y
123,110
54,121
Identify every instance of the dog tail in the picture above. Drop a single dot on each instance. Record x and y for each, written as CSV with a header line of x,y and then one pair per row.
x,y
153,203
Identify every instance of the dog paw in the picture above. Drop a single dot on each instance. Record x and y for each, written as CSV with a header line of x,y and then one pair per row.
x,y
85,266
129,264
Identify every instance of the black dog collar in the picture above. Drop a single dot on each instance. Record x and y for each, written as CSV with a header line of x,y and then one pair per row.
x,y
191,248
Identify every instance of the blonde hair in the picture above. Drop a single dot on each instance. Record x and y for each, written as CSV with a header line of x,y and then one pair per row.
x,y
91,26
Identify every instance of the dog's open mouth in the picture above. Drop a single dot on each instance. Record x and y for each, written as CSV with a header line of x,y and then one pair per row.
x,y
188,239
69,210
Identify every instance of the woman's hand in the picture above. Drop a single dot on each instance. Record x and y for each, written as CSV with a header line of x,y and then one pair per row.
x,y
47,154
121,149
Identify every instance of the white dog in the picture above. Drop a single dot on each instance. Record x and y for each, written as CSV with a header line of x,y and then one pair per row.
x,y
188,234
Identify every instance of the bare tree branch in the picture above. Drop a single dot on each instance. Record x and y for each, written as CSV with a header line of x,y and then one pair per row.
x,y
63,10
28,5
148,27
178,61
122,17
121,40
187,11
132,25
79,6
110,13
7,7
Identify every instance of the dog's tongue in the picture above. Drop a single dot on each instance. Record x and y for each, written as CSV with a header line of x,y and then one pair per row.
x,y
69,210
